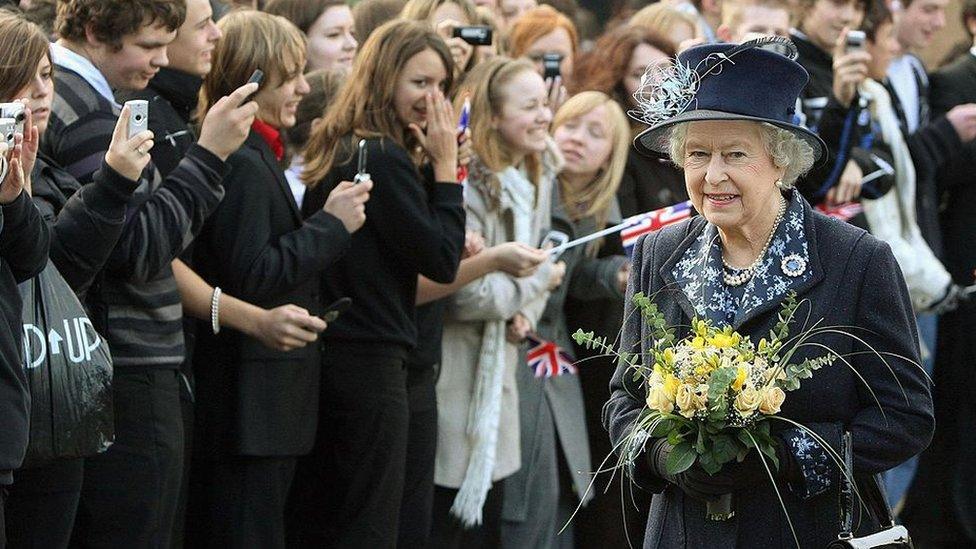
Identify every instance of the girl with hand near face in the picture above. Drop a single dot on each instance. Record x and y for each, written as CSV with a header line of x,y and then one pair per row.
x,y
507,198
445,16
394,99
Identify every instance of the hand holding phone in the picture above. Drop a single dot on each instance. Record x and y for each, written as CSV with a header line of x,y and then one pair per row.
x,y
333,311
256,78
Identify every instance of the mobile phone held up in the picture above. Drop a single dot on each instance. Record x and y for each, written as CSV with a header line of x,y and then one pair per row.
x,y
14,111
474,35
854,41
550,65
256,78
138,116
553,241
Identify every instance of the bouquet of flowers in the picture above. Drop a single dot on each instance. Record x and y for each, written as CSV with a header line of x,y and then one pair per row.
x,y
712,394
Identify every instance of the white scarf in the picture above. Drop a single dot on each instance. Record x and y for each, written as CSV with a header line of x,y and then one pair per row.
x,y
484,411
892,217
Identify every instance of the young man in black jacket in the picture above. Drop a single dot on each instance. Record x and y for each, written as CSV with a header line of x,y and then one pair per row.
x,y
130,491
24,242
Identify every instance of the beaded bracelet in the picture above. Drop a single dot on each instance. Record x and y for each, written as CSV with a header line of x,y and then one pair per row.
x,y
215,310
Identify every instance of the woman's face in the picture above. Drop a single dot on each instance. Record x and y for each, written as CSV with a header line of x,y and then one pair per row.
x,y
423,74
39,93
445,18
277,106
525,116
557,41
644,56
331,40
586,143
730,177
883,49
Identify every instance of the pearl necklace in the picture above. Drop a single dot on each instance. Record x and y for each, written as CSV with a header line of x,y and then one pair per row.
x,y
737,277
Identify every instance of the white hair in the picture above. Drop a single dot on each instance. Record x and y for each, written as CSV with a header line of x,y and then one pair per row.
x,y
785,148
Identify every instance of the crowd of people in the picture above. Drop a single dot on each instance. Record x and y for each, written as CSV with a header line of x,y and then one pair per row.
x,y
323,266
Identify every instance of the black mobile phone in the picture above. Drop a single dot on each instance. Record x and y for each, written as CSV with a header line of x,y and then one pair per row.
x,y
256,77
333,311
550,65
475,35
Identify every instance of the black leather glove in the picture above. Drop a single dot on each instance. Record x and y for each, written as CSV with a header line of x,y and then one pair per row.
x,y
732,477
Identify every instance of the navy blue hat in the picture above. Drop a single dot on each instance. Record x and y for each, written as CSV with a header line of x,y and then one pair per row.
x,y
724,82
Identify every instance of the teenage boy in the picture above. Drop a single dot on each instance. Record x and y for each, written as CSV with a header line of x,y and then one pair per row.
x,y
130,492
744,20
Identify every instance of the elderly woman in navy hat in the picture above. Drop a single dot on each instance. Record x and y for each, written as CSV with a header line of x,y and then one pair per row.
x,y
724,114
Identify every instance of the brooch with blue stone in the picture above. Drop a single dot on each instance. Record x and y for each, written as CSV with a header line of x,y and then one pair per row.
x,y
794,265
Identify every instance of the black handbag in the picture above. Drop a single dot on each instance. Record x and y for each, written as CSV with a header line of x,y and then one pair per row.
x,y
891,535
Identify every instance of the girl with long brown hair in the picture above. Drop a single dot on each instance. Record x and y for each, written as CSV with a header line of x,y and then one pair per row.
x,y
393,109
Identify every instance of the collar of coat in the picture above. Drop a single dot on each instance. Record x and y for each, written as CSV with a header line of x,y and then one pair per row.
x,y
695,268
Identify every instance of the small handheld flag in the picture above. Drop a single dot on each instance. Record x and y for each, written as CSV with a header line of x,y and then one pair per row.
x,y
641,224
844,211
463,125
546,358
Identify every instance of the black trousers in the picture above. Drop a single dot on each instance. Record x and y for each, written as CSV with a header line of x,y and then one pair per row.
x,y
418,487
130,492
347,492
449,533
42,504
3,534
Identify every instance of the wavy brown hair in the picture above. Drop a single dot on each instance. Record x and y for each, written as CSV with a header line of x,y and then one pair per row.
x,y
22,46
252,40
604,68
111,20
364,106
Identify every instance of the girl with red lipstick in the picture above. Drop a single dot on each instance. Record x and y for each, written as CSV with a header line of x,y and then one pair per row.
x,y
394,100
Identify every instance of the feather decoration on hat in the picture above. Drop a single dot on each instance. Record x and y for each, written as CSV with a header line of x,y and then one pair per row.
x,y
668,90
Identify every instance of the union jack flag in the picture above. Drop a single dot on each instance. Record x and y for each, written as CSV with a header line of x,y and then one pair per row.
x,y
844,211
546,358
641,224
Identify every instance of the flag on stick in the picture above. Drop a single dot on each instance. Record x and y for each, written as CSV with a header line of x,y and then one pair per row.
x,y
546,358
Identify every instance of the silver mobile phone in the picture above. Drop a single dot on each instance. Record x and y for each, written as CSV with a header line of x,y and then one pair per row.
x,y
138,116
361,173
8,127
854,41
15,111
555,239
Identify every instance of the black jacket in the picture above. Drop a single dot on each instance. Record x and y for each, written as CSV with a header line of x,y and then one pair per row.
x,y
253,400
24,242
172,97
942,502
853,281
412,227
649,183
85,222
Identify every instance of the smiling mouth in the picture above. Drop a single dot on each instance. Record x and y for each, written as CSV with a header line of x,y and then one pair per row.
x,y
721,199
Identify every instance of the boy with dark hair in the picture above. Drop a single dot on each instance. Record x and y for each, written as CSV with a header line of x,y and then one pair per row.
x,y
130,492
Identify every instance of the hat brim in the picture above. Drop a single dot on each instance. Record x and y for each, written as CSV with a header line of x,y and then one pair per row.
x,y
656,139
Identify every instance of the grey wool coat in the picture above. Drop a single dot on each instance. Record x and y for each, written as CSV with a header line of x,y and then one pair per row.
x,y
851,280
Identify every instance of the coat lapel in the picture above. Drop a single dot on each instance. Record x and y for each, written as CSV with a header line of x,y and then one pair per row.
x,y
257,142
694,270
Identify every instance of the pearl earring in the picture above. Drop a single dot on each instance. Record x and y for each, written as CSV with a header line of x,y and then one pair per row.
x,y
780,185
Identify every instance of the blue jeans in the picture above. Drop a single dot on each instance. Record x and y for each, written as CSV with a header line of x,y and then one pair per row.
x,y
899,479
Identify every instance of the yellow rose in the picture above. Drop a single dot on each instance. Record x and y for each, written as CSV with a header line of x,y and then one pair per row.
x,y
772,399
688,400
740,378
671,385
659,400
747,401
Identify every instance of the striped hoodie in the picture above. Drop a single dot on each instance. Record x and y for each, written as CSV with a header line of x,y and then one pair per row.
x,y
134,302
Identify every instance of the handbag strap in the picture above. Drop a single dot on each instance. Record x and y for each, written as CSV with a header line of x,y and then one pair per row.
x,y
871,493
